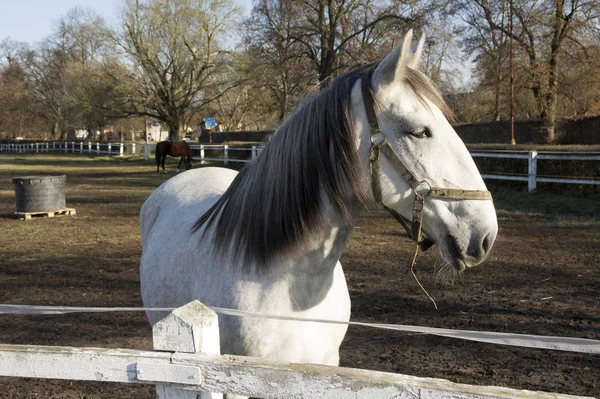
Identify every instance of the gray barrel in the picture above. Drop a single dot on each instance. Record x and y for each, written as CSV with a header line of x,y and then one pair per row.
x,y
40,193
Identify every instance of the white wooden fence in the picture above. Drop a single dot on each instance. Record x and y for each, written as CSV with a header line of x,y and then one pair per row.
x,y
129,150
186,361
199,154
532,157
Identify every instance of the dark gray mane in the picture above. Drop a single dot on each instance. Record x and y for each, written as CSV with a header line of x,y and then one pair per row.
x,y
276,200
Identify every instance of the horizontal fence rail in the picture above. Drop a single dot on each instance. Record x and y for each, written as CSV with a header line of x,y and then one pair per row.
x,y
224,153
187,360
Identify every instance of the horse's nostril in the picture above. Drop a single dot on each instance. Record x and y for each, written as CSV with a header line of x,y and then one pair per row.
x,y
487,243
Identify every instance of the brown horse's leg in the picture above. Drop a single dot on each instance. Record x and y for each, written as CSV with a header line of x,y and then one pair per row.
x,y
157,160
179,164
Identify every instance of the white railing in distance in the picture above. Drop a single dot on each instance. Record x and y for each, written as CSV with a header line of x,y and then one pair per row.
x,y
199,154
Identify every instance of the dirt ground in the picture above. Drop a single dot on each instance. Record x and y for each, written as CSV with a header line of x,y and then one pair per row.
x,y
541,278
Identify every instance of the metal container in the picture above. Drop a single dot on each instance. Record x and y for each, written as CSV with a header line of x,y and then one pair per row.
x,y
40,193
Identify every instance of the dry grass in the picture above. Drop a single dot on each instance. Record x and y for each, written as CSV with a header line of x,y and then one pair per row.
x,y
548,248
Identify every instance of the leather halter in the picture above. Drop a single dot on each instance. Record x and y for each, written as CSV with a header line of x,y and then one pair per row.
x,y
422,189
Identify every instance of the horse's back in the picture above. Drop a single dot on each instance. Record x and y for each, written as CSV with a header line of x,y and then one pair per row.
x,y
185,197
168,240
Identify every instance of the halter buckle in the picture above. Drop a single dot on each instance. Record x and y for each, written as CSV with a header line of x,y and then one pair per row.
x,y
422,189
377,138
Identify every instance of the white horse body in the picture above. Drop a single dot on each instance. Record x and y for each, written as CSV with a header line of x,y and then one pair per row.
x,y
274,234
192,271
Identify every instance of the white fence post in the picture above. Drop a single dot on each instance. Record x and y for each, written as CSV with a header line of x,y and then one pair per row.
x,y
132,150
201,154
89,147
66,146
192,328
225,154
109,148
121,149
146,156
532,170
98,147
254,152
81,147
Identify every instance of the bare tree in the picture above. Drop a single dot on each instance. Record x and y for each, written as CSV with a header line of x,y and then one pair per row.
x,y
490,45
542,29
327,29
18,106
275,57
174,48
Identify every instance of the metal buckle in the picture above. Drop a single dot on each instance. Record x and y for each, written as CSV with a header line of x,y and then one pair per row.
x,y
377,138
422,189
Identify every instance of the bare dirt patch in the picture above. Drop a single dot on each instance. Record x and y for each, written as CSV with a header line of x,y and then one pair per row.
x,y
541,278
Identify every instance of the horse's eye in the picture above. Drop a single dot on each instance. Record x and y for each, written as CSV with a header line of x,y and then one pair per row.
x,y
421,133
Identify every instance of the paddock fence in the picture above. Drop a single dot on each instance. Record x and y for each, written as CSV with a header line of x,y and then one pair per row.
x,y
228,154
186,362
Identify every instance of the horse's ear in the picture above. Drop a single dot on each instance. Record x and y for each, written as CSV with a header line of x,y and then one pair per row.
x,y
391,68
415,59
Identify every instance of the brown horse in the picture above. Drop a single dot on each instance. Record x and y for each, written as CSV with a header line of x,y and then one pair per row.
x,y
181,149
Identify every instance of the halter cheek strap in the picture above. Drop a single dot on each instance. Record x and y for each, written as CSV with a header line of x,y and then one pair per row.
x,y
421,189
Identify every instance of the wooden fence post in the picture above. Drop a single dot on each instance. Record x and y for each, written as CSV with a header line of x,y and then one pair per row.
x,y
192,328
532,170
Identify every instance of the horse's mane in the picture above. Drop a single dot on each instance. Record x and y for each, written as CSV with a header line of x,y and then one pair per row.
x,y
276,200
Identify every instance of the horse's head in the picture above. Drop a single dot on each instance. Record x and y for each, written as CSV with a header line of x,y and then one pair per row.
x,y
415,152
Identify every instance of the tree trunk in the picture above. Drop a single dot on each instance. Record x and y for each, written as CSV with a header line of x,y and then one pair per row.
x,y
54,131
174,130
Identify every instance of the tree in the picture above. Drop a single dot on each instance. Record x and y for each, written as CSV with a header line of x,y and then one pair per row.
x,y
490,45
18,106
275,57
328,30
542,30
174,48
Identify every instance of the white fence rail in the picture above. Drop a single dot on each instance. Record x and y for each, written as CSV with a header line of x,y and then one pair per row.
x,y
187,361
532,157
199,154
129,150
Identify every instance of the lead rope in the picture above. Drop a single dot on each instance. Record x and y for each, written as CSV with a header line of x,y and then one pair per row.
x,y
414,261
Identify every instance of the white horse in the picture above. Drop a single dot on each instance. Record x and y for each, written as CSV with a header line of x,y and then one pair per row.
x,y
269,239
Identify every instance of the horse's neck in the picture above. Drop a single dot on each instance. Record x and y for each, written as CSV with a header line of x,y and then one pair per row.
x,y
311,273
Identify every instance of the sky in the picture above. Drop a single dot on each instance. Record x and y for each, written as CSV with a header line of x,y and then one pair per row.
x,y
32,20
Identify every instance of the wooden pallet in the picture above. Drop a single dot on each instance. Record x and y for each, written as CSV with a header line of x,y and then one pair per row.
x,y
50,214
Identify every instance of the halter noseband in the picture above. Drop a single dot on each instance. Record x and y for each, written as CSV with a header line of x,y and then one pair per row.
x,y
422,189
